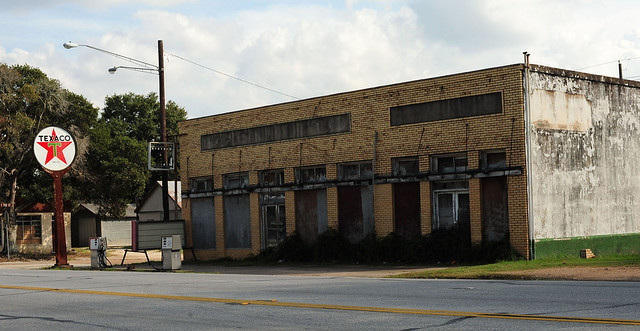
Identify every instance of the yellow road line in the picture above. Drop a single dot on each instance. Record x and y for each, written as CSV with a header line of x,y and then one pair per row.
x,y
338,307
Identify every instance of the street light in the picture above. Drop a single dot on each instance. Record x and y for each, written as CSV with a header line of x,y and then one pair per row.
x,y
163,117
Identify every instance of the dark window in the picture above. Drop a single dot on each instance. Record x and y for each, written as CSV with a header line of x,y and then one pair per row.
x,y
273,225
313,127
202,184
493,160
355,170
29,230
451,207
476,105
236,180
449,163
406,166
308,175
272,177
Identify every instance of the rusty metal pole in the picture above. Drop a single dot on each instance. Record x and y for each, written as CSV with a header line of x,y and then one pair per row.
x,y
60,237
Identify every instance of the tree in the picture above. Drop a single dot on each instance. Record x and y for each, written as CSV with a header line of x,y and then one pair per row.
x,y
29,102
117,156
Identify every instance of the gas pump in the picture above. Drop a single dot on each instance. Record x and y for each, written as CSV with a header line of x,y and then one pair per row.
x,y
98,248
171,252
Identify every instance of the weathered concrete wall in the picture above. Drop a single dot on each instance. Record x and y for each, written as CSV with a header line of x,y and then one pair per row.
x,y
118,233
585,150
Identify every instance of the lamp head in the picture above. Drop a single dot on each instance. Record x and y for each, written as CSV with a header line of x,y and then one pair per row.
x,y
70,45
113,70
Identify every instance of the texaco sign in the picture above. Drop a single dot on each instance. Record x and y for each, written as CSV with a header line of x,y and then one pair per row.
x,y
54,148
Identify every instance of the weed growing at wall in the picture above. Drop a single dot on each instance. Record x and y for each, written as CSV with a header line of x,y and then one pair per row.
x,y
441,246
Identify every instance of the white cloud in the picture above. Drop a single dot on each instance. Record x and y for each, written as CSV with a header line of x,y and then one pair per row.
x,y
309,49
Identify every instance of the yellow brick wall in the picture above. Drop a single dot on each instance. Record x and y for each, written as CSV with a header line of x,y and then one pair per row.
x,y
383,196
332,207
369,111
475,210
425,207
254,202
290,211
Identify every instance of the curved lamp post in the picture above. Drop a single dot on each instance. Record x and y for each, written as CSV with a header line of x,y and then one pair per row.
x,y
159,69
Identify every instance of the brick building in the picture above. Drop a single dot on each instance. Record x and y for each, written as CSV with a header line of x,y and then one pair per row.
x,y
476,151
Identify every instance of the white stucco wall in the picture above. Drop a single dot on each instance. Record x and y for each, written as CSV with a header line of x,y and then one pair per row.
x,y
584,155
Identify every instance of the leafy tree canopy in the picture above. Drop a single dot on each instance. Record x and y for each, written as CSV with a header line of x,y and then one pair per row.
x,y
29,102
117,155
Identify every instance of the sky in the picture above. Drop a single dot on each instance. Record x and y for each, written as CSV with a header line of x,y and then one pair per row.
x,y
223,56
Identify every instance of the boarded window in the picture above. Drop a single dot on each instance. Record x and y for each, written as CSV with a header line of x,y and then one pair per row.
x,y
406,207
237,221
311,214
355,212
203,222
476,105
29,230
495,221
313,127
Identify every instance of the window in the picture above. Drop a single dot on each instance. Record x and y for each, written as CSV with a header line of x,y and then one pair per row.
x,y
313,127
451,206
236,180
449,163
493,159
475,105
307,175
29,230
273,225
272,177
407,166
202,184
356,170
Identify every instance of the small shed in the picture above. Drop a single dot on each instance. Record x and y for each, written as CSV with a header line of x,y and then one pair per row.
x,y
86,223
150,208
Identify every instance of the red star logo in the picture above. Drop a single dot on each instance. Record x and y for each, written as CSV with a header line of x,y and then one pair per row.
x,y
54,148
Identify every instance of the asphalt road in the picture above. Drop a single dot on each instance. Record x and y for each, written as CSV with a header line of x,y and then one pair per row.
x,y
97,300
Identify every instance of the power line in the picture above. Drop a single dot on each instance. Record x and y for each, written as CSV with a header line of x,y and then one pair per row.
x,y
615,61
231,76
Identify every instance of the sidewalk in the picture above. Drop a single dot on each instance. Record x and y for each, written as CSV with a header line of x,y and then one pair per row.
x,y
138,261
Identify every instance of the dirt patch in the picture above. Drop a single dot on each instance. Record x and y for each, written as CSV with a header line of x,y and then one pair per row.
x,y
579,273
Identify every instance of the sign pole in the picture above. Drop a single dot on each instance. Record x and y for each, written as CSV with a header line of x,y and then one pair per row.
x,y
55,149
60,237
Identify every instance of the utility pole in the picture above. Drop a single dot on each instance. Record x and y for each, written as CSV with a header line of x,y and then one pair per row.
x,y
163,132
